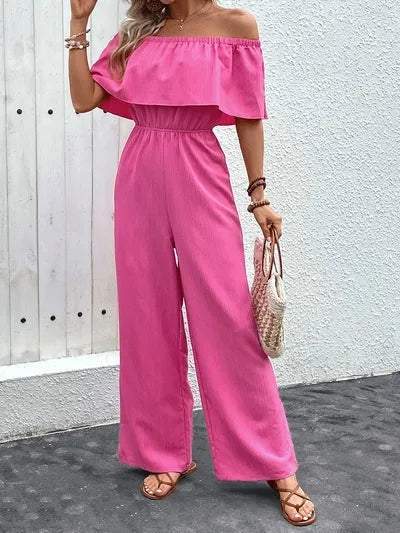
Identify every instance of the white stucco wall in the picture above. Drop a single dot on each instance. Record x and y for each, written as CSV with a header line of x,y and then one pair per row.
x,y
332,165
332,168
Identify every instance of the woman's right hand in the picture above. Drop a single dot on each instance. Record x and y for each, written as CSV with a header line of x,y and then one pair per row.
x,y
82,9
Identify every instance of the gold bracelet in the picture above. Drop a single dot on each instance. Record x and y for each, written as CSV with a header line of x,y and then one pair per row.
x,y
77,35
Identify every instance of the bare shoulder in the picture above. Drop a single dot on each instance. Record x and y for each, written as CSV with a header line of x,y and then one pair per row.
x,y
240,23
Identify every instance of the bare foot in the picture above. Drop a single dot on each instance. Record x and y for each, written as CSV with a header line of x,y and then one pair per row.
x,y
151,484
306,510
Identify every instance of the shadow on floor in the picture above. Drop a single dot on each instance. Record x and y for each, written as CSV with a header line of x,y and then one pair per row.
x,y
346,436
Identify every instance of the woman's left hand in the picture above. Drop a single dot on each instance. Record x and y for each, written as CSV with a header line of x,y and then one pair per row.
x,y
266,217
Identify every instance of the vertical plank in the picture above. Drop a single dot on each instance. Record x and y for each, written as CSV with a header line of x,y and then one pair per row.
x,y
125,125
105,160
78,205
50,177
21,164
5,356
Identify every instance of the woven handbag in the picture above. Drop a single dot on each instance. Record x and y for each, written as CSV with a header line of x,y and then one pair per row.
x,y
268,295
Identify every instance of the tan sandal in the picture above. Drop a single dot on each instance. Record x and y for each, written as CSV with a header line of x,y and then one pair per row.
x,y
191,468
297,506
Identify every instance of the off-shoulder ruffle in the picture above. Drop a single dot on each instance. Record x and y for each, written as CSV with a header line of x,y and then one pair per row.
x,y
225,71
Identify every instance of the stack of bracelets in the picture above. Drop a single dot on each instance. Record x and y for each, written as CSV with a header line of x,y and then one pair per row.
x,y
252,185
77,45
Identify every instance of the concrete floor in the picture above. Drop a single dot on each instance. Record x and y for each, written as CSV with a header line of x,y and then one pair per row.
x,y
346,436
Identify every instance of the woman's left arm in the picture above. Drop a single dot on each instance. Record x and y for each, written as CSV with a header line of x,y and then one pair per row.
x,y
251,139
250,132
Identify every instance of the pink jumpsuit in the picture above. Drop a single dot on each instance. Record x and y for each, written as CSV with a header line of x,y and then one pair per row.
x,y
173,191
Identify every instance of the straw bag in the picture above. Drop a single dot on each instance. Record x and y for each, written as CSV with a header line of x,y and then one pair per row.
x,y
268,295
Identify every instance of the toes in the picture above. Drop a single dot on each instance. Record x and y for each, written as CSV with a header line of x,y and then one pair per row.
x,y
305,511
148,489
309,508
149,484
293,513
296,516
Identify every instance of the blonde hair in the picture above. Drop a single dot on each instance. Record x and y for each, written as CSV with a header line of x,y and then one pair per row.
x,y
138,24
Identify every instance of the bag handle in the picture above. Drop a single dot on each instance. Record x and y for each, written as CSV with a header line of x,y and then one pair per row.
x,y
274,242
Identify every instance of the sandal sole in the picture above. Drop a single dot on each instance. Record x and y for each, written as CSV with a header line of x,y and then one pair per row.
x,y
301,523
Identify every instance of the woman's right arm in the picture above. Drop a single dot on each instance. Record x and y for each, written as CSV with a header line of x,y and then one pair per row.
x,y
86,94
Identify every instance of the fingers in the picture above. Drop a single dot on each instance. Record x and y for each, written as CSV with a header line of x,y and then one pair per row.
x,y
267,228
266,233
278,227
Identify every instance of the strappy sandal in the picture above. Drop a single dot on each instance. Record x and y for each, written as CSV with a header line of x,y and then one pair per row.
x,y
297,506
191,468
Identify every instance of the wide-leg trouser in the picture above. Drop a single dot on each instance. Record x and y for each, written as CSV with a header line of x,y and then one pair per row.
x,y
173,190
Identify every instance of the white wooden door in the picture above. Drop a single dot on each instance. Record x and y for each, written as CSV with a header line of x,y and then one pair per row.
x,y
57,171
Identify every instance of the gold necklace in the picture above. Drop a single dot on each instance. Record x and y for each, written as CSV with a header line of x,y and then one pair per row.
x,y
181,21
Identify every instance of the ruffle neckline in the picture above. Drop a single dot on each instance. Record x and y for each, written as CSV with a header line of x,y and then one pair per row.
x,y
187,70
205,38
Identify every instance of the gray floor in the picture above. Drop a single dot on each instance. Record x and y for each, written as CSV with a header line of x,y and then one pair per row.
x,y
346,436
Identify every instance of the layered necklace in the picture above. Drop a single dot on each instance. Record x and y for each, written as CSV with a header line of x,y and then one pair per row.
x,y
181,21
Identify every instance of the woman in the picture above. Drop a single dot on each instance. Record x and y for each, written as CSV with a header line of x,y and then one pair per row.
x,y
178,68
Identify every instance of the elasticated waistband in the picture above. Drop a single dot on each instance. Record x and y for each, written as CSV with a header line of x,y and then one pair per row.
x,y
175,130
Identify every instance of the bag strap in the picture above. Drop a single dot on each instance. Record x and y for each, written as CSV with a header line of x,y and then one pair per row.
x,y
274,242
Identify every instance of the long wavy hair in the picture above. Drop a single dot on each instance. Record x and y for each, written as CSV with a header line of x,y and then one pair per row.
x,y
138,24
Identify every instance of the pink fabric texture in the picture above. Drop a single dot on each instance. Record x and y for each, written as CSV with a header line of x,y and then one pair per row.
x,y
173,195
228,72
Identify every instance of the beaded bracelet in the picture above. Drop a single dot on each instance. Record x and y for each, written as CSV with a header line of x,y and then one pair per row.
x,y
74,45
253,205
254,181
255,186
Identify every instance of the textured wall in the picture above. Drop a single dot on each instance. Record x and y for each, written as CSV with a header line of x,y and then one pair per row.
x,y
332,166
58,394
